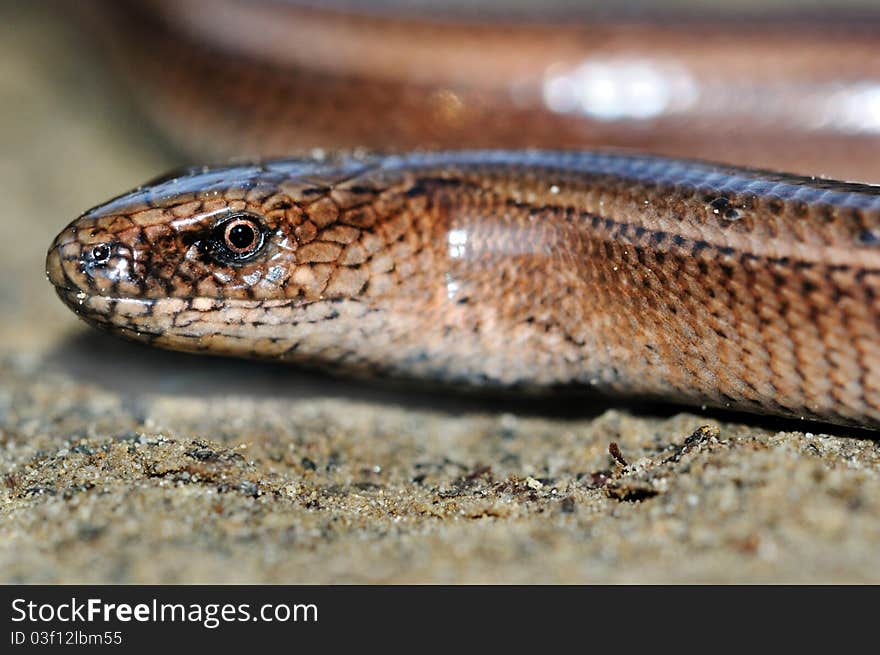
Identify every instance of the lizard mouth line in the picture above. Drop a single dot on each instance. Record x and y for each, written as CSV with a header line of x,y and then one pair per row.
x,y
79,297
85,303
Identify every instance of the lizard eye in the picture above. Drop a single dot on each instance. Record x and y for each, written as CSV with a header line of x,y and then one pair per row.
x,y
237,239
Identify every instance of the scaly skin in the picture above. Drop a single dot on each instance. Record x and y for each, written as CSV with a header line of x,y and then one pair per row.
x,y
226,78
635,275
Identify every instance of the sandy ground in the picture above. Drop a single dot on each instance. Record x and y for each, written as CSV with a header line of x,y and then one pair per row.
x,y
122,464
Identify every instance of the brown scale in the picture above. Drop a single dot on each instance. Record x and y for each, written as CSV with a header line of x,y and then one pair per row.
x,y
768,90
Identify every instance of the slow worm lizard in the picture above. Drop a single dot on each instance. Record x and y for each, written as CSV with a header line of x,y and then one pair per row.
x,y
774,89
638,275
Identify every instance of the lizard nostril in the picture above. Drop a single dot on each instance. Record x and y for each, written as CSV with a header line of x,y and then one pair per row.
x,y
101,253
